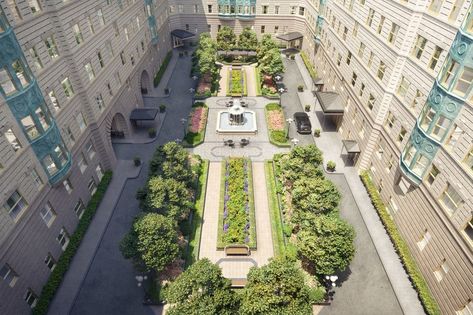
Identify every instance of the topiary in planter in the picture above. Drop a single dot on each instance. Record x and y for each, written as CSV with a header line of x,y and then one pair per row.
x,y
317,133
152,132
162,108
137,161
307,108
300,88
331,165
293,57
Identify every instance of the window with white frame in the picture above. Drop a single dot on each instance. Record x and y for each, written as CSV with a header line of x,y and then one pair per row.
x,y
90,71
435,6
69,133
401,135
90,149
8,275
449,73
353,79
67,87
369,20
63,238
450,199
48,214
82,163
454,137
34,6
381,23
468,161
61,155
403,87
361,51
43,119
67,185
435,57
36,60
6,82
464,82
422,243
20,72
92,186
393,33
99,171
77,34
30,127
50,165
54,100
433,173
371,101
30,298
381,70
50,262
90,23
101,17
419,47
15,204
441,270
390,120
420,165
100,58
51,47
13,140
36,179
79,208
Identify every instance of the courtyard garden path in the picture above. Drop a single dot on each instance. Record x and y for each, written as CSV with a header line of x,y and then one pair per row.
x,y
250,80
223,81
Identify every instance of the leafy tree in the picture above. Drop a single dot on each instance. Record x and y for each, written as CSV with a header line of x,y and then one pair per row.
x,y
309,153
152,241
247,39
277,288
201,289
266,44
226,38
172,161
315,194
271,62
326,243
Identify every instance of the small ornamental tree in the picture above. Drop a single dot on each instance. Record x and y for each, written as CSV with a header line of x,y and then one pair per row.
x,y
326,243
247,39
152,241
172,161
277,288
271,62
309,153
201,289
266,44
316,194
226,38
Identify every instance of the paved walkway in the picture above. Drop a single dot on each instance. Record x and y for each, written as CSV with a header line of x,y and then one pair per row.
x,y
250,80
330,144
223,83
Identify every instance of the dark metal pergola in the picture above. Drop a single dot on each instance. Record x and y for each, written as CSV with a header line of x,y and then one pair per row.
x,y
331,104
291,39
351,148
236,53
179,36
143,114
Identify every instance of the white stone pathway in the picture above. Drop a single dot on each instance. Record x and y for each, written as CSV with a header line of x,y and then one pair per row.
x,y
223,81
250,80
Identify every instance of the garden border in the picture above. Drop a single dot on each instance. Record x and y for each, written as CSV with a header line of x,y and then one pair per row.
x,y
201,134
162,69
271,140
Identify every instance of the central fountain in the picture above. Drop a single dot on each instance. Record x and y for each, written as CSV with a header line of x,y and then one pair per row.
x,y
237,119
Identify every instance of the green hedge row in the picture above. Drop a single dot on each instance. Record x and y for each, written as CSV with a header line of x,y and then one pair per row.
x,y
308,65
279,245
55,279
430,305
162,69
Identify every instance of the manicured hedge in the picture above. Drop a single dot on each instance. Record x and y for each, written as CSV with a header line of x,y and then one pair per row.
x,y
55,279
430,305
279,245
308,65
162,69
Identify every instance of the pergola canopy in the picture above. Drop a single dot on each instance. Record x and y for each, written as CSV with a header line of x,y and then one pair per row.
x,y
182,34
140,114
330,102
351,146
290,36
236,53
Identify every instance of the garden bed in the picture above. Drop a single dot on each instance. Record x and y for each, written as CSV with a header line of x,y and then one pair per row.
x,y
237,223
269,88
309,66
279,243
162,69
276,123
236,83
197,124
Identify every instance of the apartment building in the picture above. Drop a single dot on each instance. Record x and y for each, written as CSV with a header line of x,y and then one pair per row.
x,y
70,71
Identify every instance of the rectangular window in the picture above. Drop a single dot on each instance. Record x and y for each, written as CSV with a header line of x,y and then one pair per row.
x,y
90,149
393,33
355,29
63,238
369,20
209,8
6,82
50,165
100,102
67,87
30,298
392,206
15,204
361,51
77,34
349,58
468,161
82,163
454,13
353,79
42,118
403,87
79,208
37,61
13,140
34,6
262,29
468,231
449,74
370,59
21,73
371,101
101,17
345,33
450,200
90,71
265,9
419,47
99,172
435,57
276,9
30,127
91,25
54,100
67,185
362,90
301,11
454,137
92,186
101,62
50,262
36,179
122,57
72,139
464,82
434,172
435,6
381,70
424,240
81,122
441,271
8,275
61,155
416,100
48,214
51,46
381,23
420,165
401,136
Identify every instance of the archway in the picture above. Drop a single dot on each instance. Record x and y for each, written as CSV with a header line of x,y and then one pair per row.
x,y
119,128
145,82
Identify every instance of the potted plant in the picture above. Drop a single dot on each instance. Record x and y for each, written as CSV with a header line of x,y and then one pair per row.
x,y
331,165
152,132
166,91
162,108
317,133
293,57
137,161
300,88
307,108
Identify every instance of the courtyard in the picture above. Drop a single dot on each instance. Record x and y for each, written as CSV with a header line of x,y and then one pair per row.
x,y
374,282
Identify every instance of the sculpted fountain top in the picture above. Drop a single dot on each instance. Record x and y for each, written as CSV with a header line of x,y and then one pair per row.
x,y
236,119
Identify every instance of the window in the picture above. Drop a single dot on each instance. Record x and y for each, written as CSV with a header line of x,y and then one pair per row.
x,y
381,70
20,72
30,127
441,271
81,122
369,20
67,185
127,37
276,29
99,101
381,23
371,101
67,87
30,298
92,186
72,139
54,101
99,171
63,238
392,206
79,208
301,11
276,9
91,25
122,57
48,214
101,62
464,82
8,275
417,99
36,179
50,165
450,199
468,161
50,262
51,47
14,142
90,71
345,33
393,33
401,135
403,87
361,51
420,165
449,73
424,240
362,90
454,137
293,9
353,79
15,204
42,118
370,59
435,57
6,82
434,172
61,155
467,309
390,120
262,29
265,9
34,6
419,47
435,6
390,164
100,16
209,8
36,60
349,58
90,149
82,163
339,59
77,34
455,10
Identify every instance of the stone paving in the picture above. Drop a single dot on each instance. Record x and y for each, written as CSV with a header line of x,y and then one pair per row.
x,y
223,82
250,80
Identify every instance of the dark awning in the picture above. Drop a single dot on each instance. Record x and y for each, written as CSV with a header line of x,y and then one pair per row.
x,y
351,146
289,36
143,114
330,102
182,34
236,53
317,81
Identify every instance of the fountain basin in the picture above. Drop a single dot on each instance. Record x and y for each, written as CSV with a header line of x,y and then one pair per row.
x,y
247,126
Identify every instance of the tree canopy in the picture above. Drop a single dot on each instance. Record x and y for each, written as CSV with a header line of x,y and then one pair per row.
x,y
226,38
315,194
172,161
247,39
152,241
201,289
277,288
271,62
267,43
326,243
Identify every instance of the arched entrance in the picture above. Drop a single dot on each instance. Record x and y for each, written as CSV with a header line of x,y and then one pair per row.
x,y
119,128
145,82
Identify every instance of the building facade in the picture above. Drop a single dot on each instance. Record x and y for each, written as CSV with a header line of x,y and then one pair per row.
x,y
80,66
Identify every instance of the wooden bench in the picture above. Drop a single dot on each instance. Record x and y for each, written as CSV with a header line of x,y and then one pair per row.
x,y
238,283
237,250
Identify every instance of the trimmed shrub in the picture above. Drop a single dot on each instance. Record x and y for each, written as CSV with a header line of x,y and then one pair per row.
x,y
152,132
137,161
162,69
331,165
55,279
308,65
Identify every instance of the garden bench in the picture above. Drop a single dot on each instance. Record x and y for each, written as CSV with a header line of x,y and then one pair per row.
x,y
237,250
238,283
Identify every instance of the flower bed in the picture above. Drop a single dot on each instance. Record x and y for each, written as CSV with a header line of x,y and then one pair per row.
x,y
276,123
197,123
237,205
237,84
268,88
